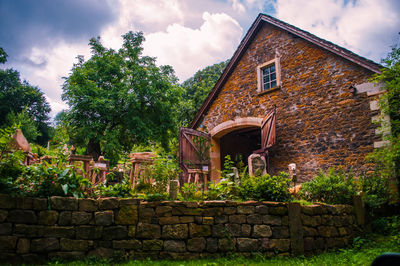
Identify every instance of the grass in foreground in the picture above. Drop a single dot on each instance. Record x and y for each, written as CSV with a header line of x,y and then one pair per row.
x,y
363,252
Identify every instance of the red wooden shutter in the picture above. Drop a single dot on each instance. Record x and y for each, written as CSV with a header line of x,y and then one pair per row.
x,y
188,153
268,130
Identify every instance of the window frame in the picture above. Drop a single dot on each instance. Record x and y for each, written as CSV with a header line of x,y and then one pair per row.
x,y
260,68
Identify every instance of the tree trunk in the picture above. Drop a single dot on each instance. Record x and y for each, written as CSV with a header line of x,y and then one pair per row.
x,y
93,149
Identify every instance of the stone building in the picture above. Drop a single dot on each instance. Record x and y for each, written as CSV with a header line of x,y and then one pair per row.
x,y
325,104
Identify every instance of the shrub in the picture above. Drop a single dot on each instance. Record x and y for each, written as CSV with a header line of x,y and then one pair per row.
x,y
227,171
159,173
333,187
43,180
223,190
191,191
275,188
375,190
122,189
11,160
387,225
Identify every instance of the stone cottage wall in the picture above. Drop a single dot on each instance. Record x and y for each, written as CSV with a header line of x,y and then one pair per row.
x,y
320,121
34,229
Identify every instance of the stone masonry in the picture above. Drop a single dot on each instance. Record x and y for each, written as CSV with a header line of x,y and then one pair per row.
x,y
321,120
36,229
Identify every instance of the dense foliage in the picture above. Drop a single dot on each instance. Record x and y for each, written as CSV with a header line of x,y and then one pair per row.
x,y
196,90
23,103
387,159
40,180
122,189
335,187
390,76
240,186
11,161
43,180
153,185
266,188
120,98
375,189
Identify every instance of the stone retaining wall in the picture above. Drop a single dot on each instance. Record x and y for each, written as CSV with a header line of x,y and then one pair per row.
x,y
33,229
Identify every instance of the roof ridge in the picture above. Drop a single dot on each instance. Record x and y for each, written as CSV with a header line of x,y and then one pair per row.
x,y
342,49
334,48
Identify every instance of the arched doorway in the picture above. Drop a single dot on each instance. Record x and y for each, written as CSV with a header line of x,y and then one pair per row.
x,y
235,137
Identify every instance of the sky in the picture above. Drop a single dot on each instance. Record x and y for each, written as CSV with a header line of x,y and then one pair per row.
x,y
44,37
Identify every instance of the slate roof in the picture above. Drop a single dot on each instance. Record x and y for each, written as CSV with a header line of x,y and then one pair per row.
x,y
257,24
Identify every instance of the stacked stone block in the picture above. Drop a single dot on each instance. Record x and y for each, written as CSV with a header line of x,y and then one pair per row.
x,y
34,229
320,122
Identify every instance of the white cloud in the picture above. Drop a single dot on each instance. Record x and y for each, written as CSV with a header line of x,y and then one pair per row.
x,y
237,6
58,62
363,26
192,34
141,15
189,50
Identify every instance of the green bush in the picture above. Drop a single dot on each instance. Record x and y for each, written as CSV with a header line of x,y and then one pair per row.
x,y
266,187
160,173
191,191
223,190
227,171
333,187
43,180
375,190
387,225
11,160
122,190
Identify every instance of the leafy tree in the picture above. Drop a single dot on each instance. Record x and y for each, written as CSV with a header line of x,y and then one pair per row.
x,y
120,98
388,158
26,122
3,56
390,76
18,96
197,89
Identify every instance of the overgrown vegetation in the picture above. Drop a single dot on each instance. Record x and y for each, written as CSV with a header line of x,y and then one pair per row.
x,y
154,183
11,161
387,159
335,187
266,188
241,187
44,180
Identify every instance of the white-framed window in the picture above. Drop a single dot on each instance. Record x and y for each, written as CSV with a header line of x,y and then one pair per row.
x,y
268,76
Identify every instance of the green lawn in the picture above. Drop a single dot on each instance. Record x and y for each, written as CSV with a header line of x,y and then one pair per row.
x,y
362,253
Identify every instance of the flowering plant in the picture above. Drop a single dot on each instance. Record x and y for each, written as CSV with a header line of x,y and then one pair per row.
x,y
45,180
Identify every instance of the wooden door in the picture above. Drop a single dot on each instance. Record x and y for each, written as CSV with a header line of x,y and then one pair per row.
x,y
194,155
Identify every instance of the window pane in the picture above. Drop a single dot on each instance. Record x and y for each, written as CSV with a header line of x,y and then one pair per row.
x,y
266,78
266,86
266,71
273,76
272,68
273,84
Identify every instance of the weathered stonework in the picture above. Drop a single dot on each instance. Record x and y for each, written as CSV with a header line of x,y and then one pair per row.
x,y
197,229
320,121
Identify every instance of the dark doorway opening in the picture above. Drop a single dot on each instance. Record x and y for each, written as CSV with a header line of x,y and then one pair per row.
x,y
240,144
